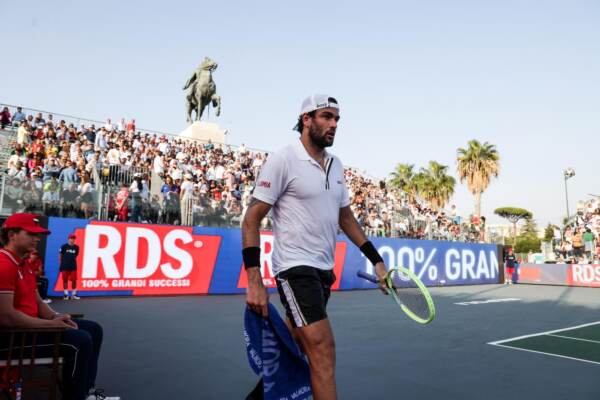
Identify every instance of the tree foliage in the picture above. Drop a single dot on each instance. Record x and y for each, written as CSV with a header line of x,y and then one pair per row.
x,y
549,232
403,178
513,214
530,228
432,184
477,164
526,243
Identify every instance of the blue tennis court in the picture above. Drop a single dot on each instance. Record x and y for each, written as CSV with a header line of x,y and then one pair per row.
x,y
192,347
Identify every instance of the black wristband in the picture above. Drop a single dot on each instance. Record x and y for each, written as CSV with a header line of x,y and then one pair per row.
x,y
251,256
371,252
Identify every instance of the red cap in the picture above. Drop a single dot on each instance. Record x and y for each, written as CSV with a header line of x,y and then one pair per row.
x,y
72,236
28,222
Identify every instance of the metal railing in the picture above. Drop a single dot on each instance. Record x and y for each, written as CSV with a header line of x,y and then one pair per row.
x,y
7,137
419,229
117,175
104,202
70,119
199,210
50,198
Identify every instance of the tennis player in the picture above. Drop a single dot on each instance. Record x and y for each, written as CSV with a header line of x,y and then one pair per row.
x,y
305,188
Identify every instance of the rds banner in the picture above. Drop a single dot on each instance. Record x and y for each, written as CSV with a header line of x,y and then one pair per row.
x,y
133,259
125,259
560,274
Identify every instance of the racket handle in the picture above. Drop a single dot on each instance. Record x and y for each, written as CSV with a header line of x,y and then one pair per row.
x,y
369,277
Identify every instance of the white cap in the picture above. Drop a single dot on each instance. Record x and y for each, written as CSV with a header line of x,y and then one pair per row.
x,y
316,102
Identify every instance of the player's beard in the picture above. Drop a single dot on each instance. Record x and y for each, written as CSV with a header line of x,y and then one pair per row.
x,y
318,135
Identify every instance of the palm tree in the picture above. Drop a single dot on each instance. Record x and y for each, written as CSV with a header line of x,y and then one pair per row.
x,y
403,178
477,164
434,184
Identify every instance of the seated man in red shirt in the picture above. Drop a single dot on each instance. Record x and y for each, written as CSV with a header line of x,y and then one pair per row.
x,y
22,307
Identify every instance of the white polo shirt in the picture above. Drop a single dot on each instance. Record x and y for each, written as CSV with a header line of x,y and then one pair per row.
x,y
306,204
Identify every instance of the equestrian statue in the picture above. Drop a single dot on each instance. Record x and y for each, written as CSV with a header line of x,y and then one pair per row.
x,y
202,90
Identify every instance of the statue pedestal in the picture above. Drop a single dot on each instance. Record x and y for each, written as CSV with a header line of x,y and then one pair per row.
x,y
204,131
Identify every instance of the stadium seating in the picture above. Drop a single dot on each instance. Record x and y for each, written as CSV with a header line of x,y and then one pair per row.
x,y
73,167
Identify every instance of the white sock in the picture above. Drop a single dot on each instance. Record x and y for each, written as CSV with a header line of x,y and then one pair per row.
x,y
66,292
74,292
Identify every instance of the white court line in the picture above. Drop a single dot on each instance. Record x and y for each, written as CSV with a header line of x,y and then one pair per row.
x,y
574,338
498,342
489,301
548,354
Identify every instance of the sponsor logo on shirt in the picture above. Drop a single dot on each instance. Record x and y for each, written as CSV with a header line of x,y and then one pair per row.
x,y
265,184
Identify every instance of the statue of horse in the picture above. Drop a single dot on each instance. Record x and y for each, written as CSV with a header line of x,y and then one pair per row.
x,y
203,90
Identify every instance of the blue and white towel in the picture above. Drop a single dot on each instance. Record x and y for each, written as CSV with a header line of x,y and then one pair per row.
x,y
274,355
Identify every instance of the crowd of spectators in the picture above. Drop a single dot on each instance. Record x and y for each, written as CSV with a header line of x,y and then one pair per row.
x,y
390,212
579,242
117,172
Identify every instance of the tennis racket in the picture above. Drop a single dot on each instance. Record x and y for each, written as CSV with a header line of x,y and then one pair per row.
x,y
408,291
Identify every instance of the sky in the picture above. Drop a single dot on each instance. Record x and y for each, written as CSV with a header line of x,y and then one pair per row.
x,y
415,79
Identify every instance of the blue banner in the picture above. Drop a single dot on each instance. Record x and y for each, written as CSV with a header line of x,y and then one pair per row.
x,y
436,263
